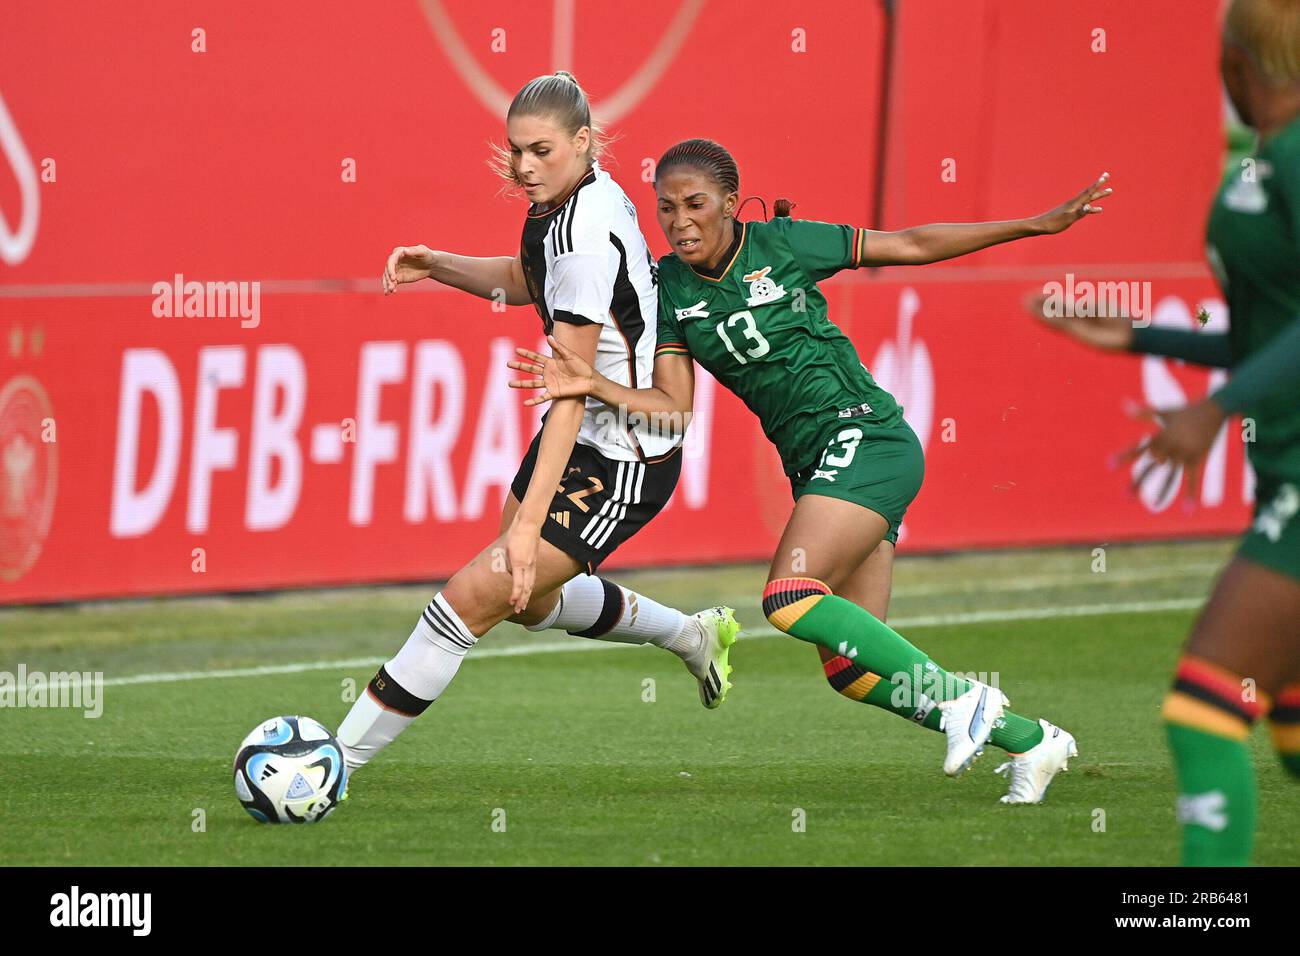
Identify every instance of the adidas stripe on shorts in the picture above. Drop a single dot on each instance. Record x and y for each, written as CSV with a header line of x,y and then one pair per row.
x,y
600,502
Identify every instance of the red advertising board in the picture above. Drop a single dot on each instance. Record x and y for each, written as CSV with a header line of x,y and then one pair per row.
x,y
328,434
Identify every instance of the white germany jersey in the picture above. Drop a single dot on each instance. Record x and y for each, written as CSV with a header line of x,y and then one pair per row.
x,y
585,260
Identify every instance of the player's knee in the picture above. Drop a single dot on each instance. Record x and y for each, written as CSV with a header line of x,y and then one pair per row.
x,y
785,600
540,614
480,601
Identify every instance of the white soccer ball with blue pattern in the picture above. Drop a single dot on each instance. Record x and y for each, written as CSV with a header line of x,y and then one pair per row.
x,y
290,770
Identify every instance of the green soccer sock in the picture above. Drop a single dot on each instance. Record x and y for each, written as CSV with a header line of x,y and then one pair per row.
x,y
805,608
1216,797
1208,721
1012,732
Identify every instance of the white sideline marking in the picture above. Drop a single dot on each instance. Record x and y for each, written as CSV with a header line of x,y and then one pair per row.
x,y
514,650
1034,583
1045,613
560,647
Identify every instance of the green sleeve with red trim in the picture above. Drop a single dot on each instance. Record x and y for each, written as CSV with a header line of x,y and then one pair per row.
x,y
822,248
671,341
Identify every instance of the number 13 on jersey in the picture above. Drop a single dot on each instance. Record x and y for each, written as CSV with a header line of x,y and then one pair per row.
x,y
749,330
846,443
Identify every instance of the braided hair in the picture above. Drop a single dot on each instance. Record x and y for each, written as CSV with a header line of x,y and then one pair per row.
x,y
713,160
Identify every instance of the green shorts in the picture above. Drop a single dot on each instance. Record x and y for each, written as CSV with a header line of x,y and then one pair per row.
x,y
878,468
1274,536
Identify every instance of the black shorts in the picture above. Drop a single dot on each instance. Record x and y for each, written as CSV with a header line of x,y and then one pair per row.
x,y
600,502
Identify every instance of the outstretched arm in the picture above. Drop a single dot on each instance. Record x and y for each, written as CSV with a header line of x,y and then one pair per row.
x,y
1117,333
938,241
483,277
1211,349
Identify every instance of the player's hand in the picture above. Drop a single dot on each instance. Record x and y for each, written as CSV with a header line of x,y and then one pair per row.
x,y
1111,333
563,374
1072,210
1183,441
407,264
521,556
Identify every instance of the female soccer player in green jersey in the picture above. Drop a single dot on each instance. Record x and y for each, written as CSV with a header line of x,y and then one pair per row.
x,y
742,300
1242,661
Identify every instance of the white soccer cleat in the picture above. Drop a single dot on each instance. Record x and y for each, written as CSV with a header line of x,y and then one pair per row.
x,y
710,662
1033,770
968,720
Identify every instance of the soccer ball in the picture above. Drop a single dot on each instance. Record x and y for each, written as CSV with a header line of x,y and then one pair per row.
x,y
290,770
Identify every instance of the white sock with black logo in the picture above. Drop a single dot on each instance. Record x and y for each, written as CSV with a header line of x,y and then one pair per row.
x,y
593,607
406,685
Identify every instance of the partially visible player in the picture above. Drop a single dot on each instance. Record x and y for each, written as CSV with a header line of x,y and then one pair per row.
x,y
1242,660
742,300
586,484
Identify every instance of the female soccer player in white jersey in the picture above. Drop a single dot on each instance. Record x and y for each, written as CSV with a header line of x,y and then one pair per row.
x,y
729,298
589,480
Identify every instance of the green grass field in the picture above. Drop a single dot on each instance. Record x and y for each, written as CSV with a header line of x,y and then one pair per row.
x,y
555,732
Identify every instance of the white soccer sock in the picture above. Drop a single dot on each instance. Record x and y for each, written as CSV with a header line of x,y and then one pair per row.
x,y
581,599
593,607
406,685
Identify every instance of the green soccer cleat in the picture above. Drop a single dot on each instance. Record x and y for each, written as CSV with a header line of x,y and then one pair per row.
x,y
710,663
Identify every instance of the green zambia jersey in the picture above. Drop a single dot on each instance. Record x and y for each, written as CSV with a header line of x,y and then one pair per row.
x,y
761,329
1254,249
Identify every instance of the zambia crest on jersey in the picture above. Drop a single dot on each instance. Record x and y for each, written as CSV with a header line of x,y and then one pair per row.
x,y
761,288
